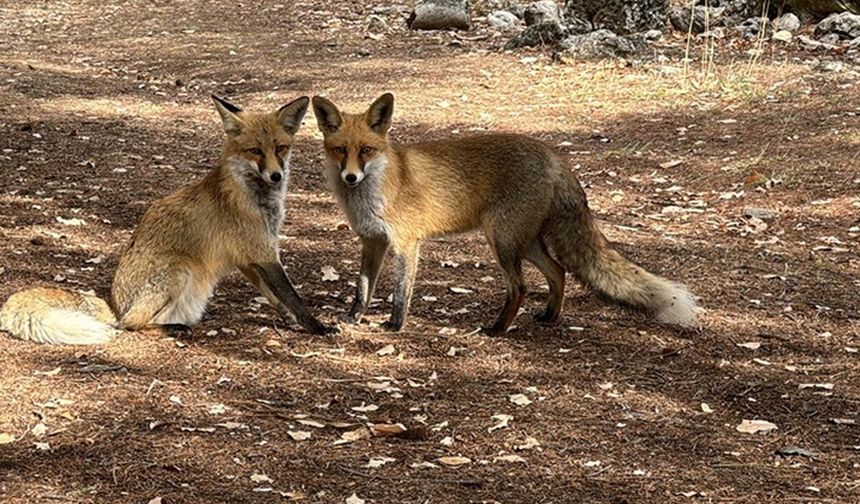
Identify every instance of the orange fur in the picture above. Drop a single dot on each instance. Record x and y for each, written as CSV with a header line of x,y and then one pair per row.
x,y
512,187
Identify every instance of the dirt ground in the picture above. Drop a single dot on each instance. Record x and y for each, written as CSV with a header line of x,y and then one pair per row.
x,y
106,108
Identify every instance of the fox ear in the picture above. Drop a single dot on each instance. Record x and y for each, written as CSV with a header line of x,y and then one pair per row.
x,y
329,119
291,114
229,115
378,116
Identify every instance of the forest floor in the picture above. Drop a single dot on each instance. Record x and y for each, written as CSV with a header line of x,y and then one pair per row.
x,y
742,182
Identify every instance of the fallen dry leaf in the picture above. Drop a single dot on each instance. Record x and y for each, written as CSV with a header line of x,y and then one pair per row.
x,y
502,420
299,435
312,423
454,461
365,408
354,499
671,164
53,372
329,274
387,430
528,444
39,430
386,350
752,345
261,478
376,462
520,399
509,458
352,436
706,408
755,426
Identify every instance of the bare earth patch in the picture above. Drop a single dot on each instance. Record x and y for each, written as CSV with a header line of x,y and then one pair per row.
x,y
755,208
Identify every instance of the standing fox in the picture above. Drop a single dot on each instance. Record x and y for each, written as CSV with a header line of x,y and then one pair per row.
x,y
185,243
512,187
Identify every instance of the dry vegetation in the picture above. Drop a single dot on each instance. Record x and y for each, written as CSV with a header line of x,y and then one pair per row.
x,y
106,109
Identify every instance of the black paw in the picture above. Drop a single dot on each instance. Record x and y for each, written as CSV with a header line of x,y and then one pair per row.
x,y
545,318
392,326
492,331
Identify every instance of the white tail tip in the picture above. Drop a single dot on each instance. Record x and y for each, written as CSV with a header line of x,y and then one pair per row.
x,y
679,308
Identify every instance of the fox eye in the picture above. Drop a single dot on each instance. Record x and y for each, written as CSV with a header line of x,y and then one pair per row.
x,y
255,151
282,149
366,150
340,149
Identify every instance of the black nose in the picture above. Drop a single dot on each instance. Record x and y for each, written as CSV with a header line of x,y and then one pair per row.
x,y
351,178
275,176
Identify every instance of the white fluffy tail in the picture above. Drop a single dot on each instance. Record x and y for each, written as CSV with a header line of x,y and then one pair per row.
x,y
60,327
57,316
583,250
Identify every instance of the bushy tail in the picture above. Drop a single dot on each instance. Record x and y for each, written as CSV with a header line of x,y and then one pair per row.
x,y
56,316
583,250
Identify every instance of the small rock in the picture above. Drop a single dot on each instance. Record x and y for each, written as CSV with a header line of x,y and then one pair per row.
x,y
808,43
831,39
782,36
503,20
652,35
538,35
542,11
703,18
760,213
600,44
854,44
623,18
518,10
787,22
376,24
440,15
750,28
830,66
844,24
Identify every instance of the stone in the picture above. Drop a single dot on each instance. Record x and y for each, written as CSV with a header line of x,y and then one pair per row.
x,y
750,28
542,11
782,36
830,39
503,20
538,35
787,22
440,15
652,35
518,10
600,44
830,66
620,16
703,18
760,213
819,9
845,24
808,43
376,24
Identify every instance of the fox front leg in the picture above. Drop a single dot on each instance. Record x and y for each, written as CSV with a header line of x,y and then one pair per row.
x,y
372,256
271,280
405,268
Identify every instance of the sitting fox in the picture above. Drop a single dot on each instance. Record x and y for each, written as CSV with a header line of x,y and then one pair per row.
x,y
512,187
186,243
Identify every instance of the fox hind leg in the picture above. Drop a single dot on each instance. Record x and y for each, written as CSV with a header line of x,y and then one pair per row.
x,y
538,255
180,300
510,261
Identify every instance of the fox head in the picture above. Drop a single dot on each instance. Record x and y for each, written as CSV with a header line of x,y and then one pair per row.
x,y
259,145
355,144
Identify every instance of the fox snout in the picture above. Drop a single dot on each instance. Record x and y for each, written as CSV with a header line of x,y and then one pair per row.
x,y
273,176
351,177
